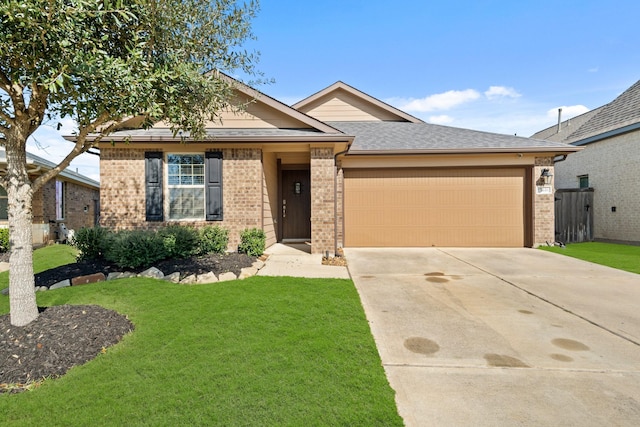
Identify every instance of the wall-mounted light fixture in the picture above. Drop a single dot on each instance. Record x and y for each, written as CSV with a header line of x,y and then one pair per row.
x,y
297,187
545,176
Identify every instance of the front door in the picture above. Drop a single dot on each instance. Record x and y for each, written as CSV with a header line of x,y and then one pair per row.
x,y
295,209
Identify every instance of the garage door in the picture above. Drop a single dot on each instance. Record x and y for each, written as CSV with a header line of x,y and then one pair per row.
x,y
434,207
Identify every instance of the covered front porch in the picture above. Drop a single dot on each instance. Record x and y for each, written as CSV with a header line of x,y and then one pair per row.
x,y
299,196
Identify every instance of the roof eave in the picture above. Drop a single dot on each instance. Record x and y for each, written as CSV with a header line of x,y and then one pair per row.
x,y
605,135
554,150
337,138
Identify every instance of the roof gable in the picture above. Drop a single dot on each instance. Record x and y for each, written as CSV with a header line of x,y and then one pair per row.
x,y
261,112
341,102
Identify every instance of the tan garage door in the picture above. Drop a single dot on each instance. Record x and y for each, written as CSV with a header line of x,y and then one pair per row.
x,y
434,207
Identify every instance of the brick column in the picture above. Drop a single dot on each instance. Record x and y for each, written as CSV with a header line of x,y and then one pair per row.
x,y
543,209
322,201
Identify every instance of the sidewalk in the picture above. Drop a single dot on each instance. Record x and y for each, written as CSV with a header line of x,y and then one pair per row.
x,y
295,260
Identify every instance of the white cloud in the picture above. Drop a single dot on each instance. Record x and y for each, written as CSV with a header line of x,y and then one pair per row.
x,y
495,92
439,101
567,111
47,142
441,119
593,70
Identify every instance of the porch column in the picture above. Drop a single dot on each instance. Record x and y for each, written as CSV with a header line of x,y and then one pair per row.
x,y
322,201
544,209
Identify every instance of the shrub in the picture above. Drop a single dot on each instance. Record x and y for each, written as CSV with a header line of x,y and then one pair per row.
x,y
4,239
180,241
133,249
252,242
213,239
91,242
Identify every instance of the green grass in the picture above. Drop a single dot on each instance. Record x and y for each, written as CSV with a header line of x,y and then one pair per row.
x,y
257,352
46,258
622,257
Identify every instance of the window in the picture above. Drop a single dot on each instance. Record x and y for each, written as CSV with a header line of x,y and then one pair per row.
x,y
4,205
185,186
60,200
584,181
193,187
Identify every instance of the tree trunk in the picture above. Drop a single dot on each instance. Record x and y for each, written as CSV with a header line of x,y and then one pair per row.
x,y
22,294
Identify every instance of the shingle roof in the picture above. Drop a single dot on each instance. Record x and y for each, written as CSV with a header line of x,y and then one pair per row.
x,y
567,127
425,137
228,134
623,111
46,164
617,116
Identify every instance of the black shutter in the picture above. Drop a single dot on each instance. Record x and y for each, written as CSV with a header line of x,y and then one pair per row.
x,y
213,185
153,185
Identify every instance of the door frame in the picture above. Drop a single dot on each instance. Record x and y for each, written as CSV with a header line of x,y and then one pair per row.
x,y
288,167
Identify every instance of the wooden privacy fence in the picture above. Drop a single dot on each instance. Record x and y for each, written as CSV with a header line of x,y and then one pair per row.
x,y
574,215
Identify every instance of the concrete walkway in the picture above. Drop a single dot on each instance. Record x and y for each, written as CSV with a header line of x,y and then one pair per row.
x,y
295,260
489,337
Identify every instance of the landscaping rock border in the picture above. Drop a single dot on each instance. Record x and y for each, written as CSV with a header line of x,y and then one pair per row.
x,y
155,273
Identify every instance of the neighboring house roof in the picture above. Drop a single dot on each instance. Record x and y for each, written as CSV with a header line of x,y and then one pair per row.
x,y
37,163
566,128
413,138
308,103
619,116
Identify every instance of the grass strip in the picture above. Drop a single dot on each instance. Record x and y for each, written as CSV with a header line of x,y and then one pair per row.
x,y
622,257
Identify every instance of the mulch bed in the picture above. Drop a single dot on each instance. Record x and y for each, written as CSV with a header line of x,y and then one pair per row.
x,y
217,263
60,338
66,336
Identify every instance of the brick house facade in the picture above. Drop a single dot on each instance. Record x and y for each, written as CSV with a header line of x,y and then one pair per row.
x,y
609,138
75,203
287,170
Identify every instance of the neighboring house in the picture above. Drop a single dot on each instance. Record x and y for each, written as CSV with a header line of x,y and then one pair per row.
x,y
70,198
609,163
339,168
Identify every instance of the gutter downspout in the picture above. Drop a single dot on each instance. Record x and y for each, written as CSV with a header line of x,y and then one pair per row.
x,y
558,159
335,199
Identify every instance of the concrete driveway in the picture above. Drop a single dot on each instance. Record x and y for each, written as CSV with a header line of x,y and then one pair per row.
x,y
503,336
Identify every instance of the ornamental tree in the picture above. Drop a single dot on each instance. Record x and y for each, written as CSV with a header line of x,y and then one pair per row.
x,y
100,62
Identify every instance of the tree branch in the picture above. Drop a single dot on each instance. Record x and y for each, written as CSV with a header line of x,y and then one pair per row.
x,y
81,146
5,84
37,106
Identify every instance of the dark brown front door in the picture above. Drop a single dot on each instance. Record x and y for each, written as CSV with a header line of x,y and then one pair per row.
x,y
296,204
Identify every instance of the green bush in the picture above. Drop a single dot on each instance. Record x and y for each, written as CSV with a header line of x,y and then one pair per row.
x,y
91,242
133,249
213,239
180,241
252,242
4,239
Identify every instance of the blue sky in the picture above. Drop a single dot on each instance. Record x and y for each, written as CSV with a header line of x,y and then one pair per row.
x,y
498,66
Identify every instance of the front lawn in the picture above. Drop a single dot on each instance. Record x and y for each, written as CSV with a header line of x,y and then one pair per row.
x,y
261,351
622,257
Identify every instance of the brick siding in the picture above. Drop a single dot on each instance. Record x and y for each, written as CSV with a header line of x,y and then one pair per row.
x,y
612,166
122,195
322,201
543,205
77,197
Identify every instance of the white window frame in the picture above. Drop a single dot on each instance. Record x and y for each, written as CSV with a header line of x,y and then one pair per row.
x,y
168,187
